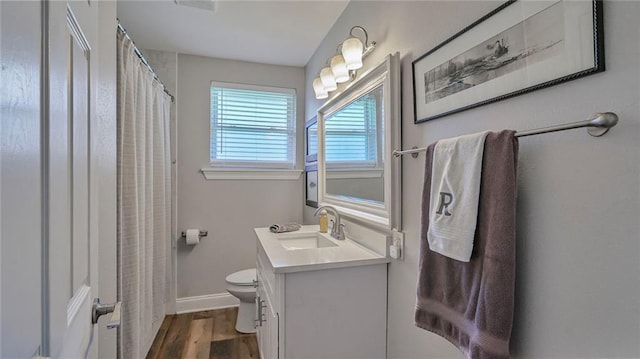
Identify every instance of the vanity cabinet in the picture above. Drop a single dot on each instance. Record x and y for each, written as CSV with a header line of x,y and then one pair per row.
x,y
321,313
267,321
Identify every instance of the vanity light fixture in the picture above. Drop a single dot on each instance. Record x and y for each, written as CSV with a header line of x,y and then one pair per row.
x,y
328,81
339,69
343,66
318,88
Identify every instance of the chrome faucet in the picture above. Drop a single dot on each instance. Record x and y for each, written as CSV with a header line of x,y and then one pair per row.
x,y
337,230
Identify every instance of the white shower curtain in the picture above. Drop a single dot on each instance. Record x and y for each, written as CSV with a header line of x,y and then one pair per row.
x,y
144,201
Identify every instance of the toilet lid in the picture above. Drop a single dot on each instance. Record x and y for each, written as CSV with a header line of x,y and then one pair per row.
x,y
243,277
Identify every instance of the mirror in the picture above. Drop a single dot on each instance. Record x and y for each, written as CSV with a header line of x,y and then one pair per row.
x,y
358,130
353,149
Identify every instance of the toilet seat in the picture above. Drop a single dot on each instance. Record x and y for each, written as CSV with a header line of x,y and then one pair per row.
x,y
242,278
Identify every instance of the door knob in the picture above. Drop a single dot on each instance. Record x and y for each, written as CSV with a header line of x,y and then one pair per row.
x,y
100,309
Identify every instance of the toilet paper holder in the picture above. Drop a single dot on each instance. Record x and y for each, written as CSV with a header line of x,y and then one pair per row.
x,y
203,233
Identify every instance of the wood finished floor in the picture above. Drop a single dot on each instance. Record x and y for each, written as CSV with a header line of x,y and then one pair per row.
x,y
210,334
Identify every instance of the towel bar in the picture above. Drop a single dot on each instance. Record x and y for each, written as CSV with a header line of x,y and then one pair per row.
x,y
597,125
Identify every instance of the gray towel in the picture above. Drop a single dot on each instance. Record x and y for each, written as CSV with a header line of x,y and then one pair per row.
x,y
281,228
471,304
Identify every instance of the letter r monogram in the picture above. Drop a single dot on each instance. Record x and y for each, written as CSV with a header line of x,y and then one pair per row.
x,y
445,201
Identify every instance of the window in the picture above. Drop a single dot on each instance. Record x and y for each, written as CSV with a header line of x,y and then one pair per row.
x,y
351,133
252,127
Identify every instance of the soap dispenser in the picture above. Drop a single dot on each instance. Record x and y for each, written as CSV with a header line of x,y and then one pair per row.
x,y
323,221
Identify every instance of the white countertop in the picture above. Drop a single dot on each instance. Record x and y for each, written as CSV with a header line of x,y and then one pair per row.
x,y
347,253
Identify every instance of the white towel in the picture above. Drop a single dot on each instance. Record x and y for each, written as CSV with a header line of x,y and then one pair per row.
x,y
281,228
455,189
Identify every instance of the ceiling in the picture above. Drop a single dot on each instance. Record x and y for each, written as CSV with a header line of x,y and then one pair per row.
x,y
271,32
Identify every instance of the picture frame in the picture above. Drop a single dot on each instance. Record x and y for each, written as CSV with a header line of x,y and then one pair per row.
x,y
311,180
519,47
311,140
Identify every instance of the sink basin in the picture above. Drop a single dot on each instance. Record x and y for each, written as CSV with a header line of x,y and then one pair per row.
x,y
311,240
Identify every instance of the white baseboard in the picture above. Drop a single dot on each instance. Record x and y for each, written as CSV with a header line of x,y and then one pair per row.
x,y
205,302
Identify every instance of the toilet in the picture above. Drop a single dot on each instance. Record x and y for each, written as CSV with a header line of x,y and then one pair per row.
x,y
240,285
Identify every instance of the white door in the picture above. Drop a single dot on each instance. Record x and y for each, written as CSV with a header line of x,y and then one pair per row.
x,y
271,326
73,183
49,184
267,323
20,180
72,292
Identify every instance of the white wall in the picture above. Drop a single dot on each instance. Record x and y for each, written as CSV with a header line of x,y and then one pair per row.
x,y
229,209
106,168
578,262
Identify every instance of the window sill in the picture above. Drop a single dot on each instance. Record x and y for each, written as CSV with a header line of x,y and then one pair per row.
x,y
250,174
349,174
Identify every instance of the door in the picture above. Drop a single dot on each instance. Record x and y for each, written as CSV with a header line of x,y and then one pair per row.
x,y
267,321
70,192
20,180
272,329
73,184
50,197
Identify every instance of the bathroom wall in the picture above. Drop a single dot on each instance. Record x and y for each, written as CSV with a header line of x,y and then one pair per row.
x,y
577,292
105,131
229,209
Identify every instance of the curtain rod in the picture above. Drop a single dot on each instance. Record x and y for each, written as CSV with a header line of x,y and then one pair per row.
x,y
144,60
597,125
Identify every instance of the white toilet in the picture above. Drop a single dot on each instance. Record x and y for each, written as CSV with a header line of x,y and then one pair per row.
x,y
240,285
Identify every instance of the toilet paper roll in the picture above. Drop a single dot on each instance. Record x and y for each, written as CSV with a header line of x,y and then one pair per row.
x,y
193,237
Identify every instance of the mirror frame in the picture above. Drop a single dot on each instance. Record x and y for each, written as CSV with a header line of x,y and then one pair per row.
x,y
386,216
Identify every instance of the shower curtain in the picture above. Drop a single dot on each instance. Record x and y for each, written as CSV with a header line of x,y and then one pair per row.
x,y
144,202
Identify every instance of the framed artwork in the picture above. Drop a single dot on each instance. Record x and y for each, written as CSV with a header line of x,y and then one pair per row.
x,y
519,47
311,178
311,140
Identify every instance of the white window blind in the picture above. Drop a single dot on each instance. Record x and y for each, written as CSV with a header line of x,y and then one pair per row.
x,y
252,126
351,133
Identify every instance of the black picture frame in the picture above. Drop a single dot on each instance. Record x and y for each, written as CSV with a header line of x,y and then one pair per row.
x,y
311,140
442,88
311,187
